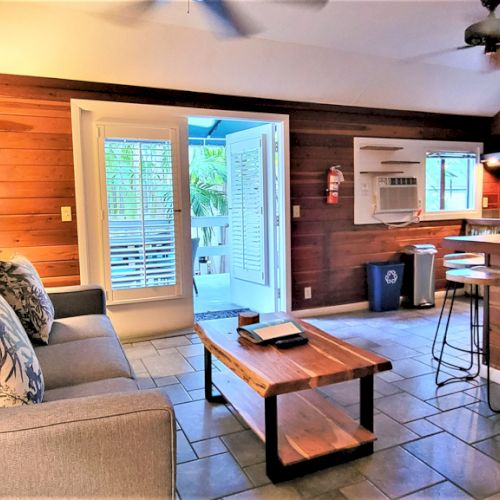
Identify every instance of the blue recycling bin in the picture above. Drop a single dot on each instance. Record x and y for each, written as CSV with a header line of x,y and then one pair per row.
x,y
384,285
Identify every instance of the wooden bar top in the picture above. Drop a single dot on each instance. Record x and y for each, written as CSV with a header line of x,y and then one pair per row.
x,y
271,371
485,243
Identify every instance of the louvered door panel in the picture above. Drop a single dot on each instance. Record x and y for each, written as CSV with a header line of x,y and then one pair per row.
x,y
140,225
247,211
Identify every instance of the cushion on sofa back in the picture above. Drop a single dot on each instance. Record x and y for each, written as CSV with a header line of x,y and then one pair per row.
x,y
82,361
21,379
22,288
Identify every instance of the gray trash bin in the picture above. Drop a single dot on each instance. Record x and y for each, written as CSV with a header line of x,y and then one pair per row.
x,y
419,277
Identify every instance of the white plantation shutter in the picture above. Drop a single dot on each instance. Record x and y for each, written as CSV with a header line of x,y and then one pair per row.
x,y
140,223
247,215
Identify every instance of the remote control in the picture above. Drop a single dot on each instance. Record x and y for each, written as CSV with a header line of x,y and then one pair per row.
x,y
291,342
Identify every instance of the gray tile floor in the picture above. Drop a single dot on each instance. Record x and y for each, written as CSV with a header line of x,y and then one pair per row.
x,y
432,443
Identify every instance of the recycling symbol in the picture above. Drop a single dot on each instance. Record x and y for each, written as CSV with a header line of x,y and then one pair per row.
x,y
391,277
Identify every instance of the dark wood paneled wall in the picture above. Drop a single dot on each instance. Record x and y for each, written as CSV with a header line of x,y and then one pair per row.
x,y
328,252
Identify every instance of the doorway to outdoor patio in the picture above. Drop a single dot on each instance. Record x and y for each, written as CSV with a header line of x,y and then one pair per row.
x,y
236,171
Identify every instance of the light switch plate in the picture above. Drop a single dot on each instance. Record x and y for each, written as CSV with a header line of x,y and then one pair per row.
x,y
485,202
66,215
307,292
296,211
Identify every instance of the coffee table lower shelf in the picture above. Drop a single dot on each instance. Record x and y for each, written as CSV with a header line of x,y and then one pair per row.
x,y
303,431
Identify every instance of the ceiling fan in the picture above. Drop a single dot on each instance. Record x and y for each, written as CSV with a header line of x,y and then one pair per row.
x,y
486,33
224,12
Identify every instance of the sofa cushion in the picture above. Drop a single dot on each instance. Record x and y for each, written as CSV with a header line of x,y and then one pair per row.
x,y
21,380
107,386
21,286
80,328
81,361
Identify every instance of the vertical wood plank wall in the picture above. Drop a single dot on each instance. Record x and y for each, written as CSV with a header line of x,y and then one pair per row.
x,y
328,252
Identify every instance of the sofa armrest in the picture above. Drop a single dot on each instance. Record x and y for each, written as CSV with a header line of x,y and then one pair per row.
x,y
113,445
77,300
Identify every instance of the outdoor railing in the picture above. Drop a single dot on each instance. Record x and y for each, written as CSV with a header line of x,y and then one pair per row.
x,y
217,246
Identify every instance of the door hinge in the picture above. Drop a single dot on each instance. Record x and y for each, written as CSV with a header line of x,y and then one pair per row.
x,y
276,146
278,293
277,221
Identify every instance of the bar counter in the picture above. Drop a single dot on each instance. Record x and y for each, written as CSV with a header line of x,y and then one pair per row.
x,y
489,244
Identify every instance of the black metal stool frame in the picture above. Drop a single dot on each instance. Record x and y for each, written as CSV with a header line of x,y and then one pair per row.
x,y
474,329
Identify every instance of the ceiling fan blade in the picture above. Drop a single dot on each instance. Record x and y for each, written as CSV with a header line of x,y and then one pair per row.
x,y
428,55
231,22
130,13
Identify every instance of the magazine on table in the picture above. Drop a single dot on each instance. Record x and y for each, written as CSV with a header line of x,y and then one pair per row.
x,y
268,331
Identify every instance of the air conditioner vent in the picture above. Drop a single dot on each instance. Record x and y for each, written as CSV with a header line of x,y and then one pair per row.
x,y
396,194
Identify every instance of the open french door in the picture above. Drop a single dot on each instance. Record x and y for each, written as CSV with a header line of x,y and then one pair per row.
x,y
252,218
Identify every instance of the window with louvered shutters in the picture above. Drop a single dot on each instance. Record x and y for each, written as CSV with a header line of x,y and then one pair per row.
x,y
139,221
247,222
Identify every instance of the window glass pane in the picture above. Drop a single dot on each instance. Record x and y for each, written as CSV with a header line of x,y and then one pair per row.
x,y
139,185
449,181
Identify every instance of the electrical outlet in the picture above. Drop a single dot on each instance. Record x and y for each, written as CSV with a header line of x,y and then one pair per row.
x,y
66,214
296,211
307,292
485,202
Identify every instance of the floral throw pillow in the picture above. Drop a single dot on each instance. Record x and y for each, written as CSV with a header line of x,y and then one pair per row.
x,y
21,379
22,288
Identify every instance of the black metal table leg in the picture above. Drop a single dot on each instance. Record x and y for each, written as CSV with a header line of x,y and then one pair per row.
x,y
366,402
278,472
274,467
209,395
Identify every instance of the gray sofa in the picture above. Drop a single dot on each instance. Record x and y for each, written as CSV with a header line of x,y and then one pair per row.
x,y
95,435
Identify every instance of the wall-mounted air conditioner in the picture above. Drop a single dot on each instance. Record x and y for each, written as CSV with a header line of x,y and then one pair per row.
x,y
396,194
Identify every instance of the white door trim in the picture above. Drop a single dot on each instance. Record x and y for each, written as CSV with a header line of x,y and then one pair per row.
x,y
79,106
283,188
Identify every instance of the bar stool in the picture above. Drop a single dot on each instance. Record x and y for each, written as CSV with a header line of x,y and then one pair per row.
x,y
475,276
458,261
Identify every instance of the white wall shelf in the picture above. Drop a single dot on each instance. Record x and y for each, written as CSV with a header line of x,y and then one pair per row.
x,y
381,172
381,148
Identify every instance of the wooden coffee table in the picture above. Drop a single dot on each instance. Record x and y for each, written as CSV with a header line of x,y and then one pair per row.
x,y
302,430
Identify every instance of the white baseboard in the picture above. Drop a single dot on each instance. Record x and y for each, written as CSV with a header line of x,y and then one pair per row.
x,y
343,308
494,374
323,311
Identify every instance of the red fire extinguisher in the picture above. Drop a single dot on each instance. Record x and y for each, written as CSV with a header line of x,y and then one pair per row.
x,y
333,178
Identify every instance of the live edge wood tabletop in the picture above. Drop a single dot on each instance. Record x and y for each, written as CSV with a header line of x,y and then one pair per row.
x,y
302,430
271,371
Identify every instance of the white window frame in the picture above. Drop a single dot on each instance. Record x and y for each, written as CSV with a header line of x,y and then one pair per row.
x,y
117,130
477,179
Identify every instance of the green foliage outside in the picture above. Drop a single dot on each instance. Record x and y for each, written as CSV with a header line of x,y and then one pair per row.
x,y
208,177
138,173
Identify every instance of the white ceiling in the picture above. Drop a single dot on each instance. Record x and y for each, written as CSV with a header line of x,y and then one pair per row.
x,y
362,53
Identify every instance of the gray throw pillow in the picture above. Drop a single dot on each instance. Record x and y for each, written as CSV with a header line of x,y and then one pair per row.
x,y
23,290
21,379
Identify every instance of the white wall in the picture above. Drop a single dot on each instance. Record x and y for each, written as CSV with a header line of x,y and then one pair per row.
x,y
60,40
